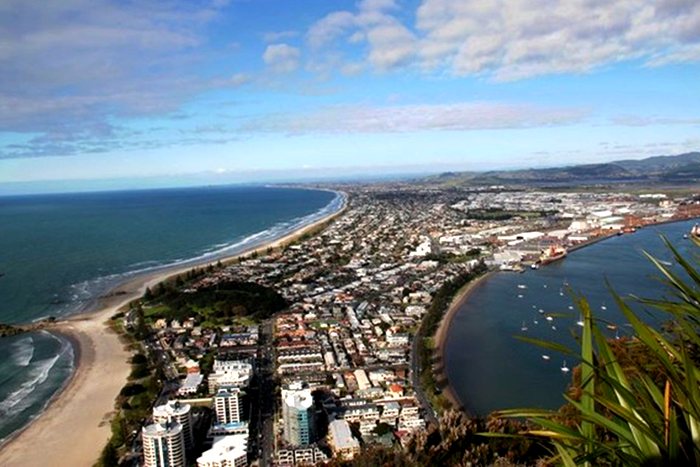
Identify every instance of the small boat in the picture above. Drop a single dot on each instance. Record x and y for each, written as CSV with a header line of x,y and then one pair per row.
x,y
579,322
603,307
545,357
695,234
520,295
522,286
535,266
612,327
554,328
564,368
523,327
540,311
549,318
571,307
535,321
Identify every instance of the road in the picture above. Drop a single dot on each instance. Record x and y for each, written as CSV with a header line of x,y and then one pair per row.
x,y
268,393
430,416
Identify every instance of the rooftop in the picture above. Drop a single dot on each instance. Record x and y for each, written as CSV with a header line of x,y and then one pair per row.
x,y
225,448
342,436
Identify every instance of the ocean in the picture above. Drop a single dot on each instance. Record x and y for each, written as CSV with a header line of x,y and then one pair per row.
x,y
59,252
490,369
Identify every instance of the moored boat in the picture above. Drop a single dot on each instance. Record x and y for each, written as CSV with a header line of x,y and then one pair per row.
x,y
695,234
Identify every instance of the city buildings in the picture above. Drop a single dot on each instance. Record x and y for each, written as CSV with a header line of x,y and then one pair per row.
x,y
163,445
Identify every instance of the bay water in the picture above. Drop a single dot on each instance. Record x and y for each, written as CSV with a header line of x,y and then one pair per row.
x,y
490,369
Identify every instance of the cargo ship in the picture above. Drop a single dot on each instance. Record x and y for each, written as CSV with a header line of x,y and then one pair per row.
x,y
551,254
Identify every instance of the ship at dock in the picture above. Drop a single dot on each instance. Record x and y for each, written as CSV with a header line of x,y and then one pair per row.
x,y
551,254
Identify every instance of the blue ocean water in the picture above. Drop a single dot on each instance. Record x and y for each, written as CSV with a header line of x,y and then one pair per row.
x,y
490,369
60,252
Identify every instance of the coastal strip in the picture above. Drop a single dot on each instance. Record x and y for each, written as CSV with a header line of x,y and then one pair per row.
x,y
75,426
440,337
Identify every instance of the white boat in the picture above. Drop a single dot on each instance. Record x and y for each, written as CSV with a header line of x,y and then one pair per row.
x,y
523,327
603,307
545,357
522,286
549,318
554,328
565,368
520,295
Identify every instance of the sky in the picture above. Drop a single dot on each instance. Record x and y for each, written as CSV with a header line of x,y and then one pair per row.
x,y
248,90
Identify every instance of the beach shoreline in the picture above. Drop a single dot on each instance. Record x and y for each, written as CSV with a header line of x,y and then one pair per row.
x,y
85,403
440,337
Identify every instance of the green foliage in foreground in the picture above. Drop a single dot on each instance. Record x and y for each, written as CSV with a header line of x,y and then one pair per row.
x,y
642,415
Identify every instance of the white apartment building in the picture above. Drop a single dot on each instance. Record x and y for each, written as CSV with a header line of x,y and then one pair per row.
x,y
227,451
174,411
227,405
163,445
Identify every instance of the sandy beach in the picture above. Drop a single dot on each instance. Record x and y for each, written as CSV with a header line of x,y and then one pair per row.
x,y
441,334
75,427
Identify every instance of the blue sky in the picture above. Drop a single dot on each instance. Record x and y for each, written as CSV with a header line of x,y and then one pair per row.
x,y
269,89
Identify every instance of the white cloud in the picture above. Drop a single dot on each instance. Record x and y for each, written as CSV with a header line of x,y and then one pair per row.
x,y
463,116
510,40
282,58
239,79
71,63
276,36
638,120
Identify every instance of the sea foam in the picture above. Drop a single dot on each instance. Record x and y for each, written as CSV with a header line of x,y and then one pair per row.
x,y
22,351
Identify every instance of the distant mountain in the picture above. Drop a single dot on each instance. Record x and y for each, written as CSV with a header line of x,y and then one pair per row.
x,y
682,168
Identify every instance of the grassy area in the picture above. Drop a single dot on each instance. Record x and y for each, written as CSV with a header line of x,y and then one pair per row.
x,y
225,303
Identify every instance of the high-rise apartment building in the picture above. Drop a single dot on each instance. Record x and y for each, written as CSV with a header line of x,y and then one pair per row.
x,y
174,411
227,405
163,445
297,414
